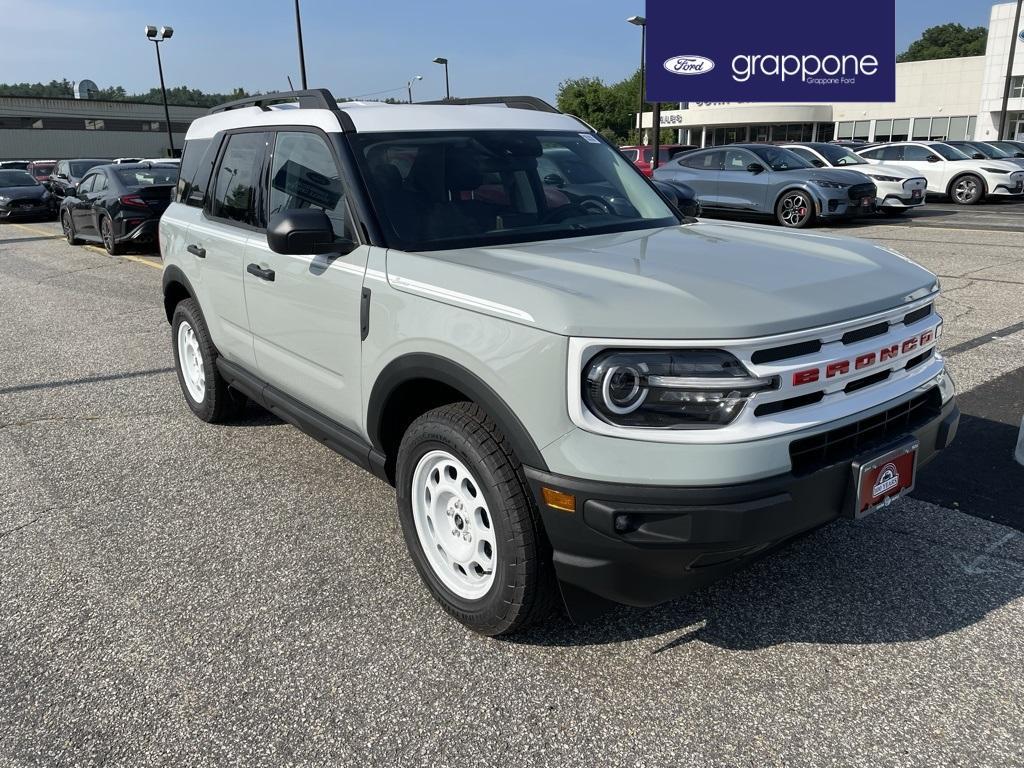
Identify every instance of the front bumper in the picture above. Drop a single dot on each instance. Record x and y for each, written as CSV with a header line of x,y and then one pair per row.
x,y
43,208
681,538
1007,189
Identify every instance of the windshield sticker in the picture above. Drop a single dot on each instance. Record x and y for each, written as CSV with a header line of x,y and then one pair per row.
x,y
590,137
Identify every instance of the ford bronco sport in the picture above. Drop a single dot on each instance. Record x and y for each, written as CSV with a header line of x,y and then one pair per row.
x,y
578,393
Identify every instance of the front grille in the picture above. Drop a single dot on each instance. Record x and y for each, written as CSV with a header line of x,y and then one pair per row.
x,y
844,443
861,334
857,191
774,354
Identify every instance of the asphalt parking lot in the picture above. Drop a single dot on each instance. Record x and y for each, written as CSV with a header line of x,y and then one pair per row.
x,y
173,593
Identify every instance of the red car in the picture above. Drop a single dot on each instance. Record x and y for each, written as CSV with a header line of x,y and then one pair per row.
x,y
41,169
641,156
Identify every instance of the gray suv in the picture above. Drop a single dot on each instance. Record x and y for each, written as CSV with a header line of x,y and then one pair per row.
x,y
580,395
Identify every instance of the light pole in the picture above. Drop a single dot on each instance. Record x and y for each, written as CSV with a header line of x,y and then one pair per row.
x,y
640,21
165,33
409,85
447,90
302,53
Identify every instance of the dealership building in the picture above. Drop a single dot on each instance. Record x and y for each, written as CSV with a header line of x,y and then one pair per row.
x,y
57,129
942,99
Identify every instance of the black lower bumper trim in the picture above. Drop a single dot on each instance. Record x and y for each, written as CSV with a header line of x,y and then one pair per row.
x,y
643,545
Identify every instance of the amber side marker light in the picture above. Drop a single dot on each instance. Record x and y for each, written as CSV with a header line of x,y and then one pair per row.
x,y
565,502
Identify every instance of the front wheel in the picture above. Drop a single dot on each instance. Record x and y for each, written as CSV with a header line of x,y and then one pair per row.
x,y
469,523
68,226
794,210
967,190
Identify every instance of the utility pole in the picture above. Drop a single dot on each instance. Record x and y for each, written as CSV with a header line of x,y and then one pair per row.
x,y
164,34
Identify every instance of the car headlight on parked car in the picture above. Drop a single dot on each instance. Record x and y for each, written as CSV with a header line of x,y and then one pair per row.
x,y
669,389
830,184
883,178
994,170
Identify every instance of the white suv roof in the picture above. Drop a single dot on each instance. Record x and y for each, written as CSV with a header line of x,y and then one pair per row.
x,y
378,117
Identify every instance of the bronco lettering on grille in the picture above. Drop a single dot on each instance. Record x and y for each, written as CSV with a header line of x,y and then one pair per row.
x,y
842,367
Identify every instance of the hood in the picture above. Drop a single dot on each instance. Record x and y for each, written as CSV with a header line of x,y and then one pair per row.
x,y
699,281
28,191
886,169
1004,165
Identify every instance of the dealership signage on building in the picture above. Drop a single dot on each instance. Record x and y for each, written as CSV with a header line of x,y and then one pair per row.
x,y
758,52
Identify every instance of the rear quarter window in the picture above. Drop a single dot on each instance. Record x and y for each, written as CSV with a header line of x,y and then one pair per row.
x,y
194,175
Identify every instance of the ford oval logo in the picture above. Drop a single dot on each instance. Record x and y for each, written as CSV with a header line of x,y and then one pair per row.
x,y
1021,35
689,65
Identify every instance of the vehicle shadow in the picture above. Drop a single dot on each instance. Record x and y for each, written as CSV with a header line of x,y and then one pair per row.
x,y
910,573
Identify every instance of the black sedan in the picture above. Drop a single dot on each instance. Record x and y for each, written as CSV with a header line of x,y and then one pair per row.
x,y
21,196
118,205
68,173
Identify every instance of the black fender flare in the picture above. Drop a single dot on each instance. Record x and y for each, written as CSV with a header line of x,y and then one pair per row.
x,y
433,367
174,274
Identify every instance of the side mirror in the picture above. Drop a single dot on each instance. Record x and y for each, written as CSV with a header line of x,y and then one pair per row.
x,y
756,168
933,159
978,156
554,180
303,231
61,176
818,163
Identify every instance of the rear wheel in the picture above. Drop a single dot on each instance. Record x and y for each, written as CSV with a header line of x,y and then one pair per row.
x,y
794,210
107,235
195,360
967,189
470,524
68,226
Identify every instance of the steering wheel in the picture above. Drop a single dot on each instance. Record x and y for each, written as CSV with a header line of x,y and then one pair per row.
x,y
587,204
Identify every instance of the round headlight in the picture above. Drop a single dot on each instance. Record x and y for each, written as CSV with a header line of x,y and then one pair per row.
x,y
621,389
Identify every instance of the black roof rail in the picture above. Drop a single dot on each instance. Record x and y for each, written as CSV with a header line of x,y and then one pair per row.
x,y
512,102
315,98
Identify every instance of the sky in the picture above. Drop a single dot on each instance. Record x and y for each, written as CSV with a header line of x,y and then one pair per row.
x,y
358,48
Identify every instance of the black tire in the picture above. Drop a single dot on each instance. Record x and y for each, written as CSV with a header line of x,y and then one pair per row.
x,y
107,236
219,403
524,589
967,189
794,209
68,225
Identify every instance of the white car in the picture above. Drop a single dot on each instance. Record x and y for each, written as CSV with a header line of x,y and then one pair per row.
x,y
899,188
950,172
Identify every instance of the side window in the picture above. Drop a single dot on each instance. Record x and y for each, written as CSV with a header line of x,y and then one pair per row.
x,y
87,183
807,155
303,174
190,180
737,160
630,154
919,154
237,179
704,161
887,153
101,183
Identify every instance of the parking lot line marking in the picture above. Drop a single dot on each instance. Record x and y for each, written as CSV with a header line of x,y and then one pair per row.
x,y
137,259
36,230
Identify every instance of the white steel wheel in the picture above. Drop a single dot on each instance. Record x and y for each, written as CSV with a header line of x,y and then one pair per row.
x,y
454,525
190,358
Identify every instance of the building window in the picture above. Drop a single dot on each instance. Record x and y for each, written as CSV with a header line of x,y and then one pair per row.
x,y
922,128
957,128
151,125
826,131
37,123
940,127
970,127
900,129
760,133
862,130
94,125
1017,87
883,130
844,130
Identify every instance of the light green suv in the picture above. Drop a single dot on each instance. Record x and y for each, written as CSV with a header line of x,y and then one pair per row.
x,y
580,395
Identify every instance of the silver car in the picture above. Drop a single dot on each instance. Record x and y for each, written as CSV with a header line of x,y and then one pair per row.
x,y
770,180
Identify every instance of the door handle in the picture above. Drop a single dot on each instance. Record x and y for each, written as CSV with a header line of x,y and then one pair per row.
x,y
197,250
262,274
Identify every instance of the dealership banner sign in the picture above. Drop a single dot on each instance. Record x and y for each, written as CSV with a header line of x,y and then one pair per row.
x,y
754,52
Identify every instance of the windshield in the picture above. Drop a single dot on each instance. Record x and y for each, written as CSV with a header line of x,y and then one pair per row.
x,y
17,179
1011,149
79,167
459,189
948,152
780,159
988,150
841,155
146,177
42,170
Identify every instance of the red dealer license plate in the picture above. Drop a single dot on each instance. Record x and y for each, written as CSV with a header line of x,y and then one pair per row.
x,y
881,478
